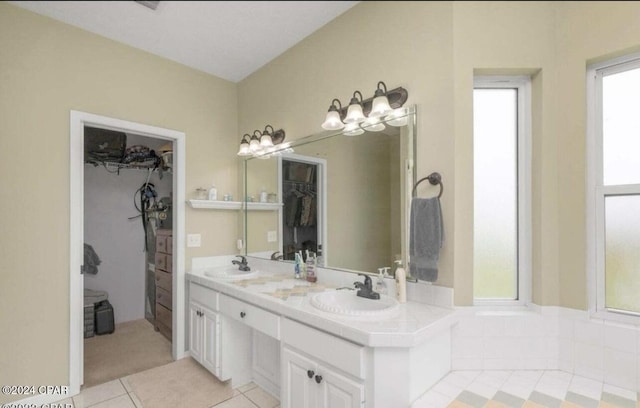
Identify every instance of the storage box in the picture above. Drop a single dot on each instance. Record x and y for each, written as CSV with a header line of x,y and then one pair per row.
x,y
104,318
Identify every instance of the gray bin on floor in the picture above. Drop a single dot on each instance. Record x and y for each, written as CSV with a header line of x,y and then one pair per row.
x,y
91,298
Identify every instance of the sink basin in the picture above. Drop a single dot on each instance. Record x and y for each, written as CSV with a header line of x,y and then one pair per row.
x,y
230,273
348,304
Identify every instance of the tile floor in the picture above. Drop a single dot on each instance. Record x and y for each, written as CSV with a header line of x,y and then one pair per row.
x,y
118,394
524,389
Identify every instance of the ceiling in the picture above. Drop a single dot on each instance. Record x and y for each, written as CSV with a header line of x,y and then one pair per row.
x,y
229,39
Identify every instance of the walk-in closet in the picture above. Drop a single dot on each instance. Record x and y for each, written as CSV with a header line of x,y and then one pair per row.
x,y
128,201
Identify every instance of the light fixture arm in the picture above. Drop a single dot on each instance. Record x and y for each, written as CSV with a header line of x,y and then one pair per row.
x,y
266,130
380,92
354,99
397,97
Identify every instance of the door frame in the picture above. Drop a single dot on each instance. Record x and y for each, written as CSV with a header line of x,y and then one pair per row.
x,y
78,120
322,199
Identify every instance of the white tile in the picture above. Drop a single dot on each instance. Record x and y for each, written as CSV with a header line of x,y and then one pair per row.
x,y
531,375
589,332
237,402
261,398
135,399
431,399
565,328
64,403
493,378
494,326
99,393
461,378
122,401
553,389
447,389
126,384
247,387
520,386
619,368
556,376
483,389
621,392
466,347
586,386
620,338
589,361
466,363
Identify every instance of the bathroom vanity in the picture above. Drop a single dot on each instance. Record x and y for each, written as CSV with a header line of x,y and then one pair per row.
x,y
265,329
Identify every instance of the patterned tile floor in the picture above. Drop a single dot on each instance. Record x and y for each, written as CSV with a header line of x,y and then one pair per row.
x,y
524,389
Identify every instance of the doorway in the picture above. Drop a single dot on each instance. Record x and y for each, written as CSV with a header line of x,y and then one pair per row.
x,y
80,121
303,221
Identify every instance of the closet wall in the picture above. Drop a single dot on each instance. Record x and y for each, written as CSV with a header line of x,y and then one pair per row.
x,y
118,241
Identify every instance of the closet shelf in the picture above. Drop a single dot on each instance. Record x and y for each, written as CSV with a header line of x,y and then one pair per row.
x,y
232,205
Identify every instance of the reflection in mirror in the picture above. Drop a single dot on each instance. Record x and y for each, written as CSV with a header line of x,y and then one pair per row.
x,y
344,198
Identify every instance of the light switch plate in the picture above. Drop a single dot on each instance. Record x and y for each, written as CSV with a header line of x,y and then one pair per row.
x,y
272,236
194,240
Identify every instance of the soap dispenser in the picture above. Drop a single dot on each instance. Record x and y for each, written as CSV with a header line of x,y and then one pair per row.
x,y
381,286
401,282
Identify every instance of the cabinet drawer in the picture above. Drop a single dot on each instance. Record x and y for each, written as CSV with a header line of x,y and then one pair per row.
x,y
164,262
342,354
253,316
169,245
205,296
164,298
164,280
161,244
163,315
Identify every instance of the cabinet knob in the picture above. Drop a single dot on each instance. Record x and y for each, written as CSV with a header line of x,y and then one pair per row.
x,y
242,314
310,373
318,379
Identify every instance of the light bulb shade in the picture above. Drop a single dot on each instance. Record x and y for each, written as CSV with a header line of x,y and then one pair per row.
x,y
254,145
353,129
397,118
380,106
244,149
332,121
265,140
373,125
354,113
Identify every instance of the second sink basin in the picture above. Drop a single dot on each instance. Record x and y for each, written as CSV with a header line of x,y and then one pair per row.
x,y
348,304
230,273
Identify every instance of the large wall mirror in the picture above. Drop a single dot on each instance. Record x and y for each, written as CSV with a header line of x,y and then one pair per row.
x,y
343,197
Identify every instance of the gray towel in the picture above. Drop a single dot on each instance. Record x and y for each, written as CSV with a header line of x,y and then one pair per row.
x,y
91,260
425,240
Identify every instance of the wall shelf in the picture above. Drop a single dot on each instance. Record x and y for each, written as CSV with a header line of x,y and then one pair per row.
x,y
232,205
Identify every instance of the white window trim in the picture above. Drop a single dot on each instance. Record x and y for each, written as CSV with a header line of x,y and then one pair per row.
x,y
596,191
523,85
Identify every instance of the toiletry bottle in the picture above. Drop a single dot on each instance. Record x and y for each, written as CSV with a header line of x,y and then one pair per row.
x,y
263,195
381,286
297,266
311,267
401,282
303,266
213,193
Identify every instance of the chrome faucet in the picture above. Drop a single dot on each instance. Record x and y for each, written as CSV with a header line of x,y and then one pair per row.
x,y
365,289
242,265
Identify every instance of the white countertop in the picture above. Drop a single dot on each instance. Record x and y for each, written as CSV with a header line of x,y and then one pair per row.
x,y
414,324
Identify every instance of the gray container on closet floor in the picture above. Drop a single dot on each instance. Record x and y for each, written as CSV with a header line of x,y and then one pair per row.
x,y
91,297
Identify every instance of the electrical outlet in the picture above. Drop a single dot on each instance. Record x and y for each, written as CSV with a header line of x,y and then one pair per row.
x,y
272,236
194,240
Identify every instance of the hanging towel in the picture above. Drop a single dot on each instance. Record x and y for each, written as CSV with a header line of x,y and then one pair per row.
x,y
91,260
426,237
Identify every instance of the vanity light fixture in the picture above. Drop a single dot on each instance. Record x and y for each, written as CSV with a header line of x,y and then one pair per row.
x,y
368,114
354,111
380,105
266,140
262,143
333,121
244,146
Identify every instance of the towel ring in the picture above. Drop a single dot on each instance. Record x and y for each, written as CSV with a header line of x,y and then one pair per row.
x,y
434,179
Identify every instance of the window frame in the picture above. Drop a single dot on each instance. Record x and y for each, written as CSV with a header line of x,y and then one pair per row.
x,y
597,191
522,84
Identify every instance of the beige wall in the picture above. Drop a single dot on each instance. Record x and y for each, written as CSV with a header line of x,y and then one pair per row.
x,y
46,70
434,49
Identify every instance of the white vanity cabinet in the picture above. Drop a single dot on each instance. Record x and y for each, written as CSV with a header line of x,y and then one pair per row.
x,y
320,370
205,338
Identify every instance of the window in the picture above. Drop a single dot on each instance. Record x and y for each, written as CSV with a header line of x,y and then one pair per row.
x,y
501,168
614,186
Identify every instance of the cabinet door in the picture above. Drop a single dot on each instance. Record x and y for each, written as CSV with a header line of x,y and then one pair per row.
x,y
211,341
337,391
298,390
195,333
